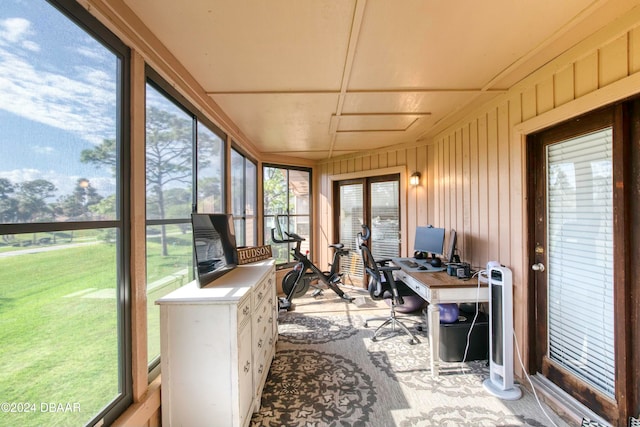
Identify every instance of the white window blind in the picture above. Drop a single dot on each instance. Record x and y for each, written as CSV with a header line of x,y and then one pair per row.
x,y
351,212
580,258
385,223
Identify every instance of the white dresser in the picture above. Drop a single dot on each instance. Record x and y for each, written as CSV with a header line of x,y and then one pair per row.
x,y
217,344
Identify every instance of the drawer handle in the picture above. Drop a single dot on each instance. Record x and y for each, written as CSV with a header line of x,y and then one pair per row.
x,y
259,295
261,369
260,343
247,366
259,319
245,310
271,320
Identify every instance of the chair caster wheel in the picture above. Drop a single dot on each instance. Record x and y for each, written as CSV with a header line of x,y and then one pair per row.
x,y
412,342
366,325
420,328
374,339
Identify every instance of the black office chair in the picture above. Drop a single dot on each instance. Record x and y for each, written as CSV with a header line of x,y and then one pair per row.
x,y
382,285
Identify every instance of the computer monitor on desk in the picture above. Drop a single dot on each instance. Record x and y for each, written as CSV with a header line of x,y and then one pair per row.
x,y
431,241
452,257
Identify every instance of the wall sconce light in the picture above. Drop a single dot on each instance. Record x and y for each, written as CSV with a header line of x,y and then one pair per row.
x,y
414,179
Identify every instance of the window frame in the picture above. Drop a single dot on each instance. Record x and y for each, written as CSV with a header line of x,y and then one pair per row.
x,y
243,218
154,79
622,116
288,215
80,17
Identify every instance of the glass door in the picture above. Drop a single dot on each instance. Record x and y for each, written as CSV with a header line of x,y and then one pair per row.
x,y
384,218
349,224
374,201
573,247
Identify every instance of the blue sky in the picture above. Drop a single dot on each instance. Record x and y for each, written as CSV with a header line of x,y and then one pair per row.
x,y
57,97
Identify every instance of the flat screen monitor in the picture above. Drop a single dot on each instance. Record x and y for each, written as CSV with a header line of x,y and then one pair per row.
x,y
430,240
451,252
214,243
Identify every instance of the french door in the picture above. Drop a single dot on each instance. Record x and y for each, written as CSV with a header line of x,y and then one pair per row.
x,y
374,201
577,247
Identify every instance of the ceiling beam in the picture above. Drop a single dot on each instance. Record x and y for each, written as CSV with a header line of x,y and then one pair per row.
x,y
356,24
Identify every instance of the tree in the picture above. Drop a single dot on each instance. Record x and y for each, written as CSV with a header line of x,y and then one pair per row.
x,y
169,159
275,191
103,154
105,208
210,194
6,188
276,187
78,204
209,172
8,204
32,200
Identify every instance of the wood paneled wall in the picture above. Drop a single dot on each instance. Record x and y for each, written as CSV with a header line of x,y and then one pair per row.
x,y
473,173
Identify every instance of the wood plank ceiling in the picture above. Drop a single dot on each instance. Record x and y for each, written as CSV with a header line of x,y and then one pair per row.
x,y
316,79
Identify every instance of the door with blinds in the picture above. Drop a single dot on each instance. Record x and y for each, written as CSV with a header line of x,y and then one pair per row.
x,y
573,259
374,201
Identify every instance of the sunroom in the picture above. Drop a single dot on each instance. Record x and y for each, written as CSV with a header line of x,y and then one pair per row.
x,y
516,124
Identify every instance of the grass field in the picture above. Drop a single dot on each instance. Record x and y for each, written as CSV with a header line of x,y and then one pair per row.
x,y
59,330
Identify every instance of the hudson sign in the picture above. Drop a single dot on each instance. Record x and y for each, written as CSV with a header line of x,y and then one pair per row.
x,y
253,254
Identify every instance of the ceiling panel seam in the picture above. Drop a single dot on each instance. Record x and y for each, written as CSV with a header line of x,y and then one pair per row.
x,y
356,24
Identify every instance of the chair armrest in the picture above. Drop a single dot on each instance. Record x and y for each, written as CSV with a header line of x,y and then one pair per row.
x,y
394,291
384,268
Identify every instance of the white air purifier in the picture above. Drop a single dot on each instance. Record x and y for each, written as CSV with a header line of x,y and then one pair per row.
x,y
500,381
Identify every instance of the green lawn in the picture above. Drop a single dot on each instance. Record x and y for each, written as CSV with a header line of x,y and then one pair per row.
x,y
173,267
58,331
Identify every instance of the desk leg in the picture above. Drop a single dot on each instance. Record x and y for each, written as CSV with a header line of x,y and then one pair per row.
x,y
434,338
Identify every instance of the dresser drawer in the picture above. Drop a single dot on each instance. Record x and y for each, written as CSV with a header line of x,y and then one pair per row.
x,y
244,311
262,321
412,283
245,376
261,364
262,289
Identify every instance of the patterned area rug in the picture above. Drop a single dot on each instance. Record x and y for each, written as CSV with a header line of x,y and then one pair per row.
x,y
328,372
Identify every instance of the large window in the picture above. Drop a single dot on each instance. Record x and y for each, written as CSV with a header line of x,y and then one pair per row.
x,y
210,170
169,164
243,198
178,143
286,193
64,340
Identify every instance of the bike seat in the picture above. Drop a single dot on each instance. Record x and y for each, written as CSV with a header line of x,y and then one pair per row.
x,y
337,246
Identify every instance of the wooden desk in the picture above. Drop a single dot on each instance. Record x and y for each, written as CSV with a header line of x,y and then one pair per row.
x,y
439,287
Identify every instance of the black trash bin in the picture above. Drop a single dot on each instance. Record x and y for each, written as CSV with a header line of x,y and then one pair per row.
x,y
453,338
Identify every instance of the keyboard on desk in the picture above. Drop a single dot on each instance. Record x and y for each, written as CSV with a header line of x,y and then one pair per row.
x,y
418,266
410,264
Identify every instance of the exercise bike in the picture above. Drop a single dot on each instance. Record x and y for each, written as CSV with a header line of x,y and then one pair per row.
x,y
297,282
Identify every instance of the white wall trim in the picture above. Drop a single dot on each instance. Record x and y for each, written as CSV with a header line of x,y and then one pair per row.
x,y
616,91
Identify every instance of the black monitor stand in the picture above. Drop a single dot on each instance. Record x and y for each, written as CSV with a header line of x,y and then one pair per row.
x,y
435,261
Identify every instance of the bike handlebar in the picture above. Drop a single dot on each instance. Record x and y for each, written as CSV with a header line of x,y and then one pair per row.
x,y
292,237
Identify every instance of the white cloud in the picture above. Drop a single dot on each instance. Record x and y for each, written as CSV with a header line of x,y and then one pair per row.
x,y
14,29
32,46
89,53
78,105
75,97
39,149
21,175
